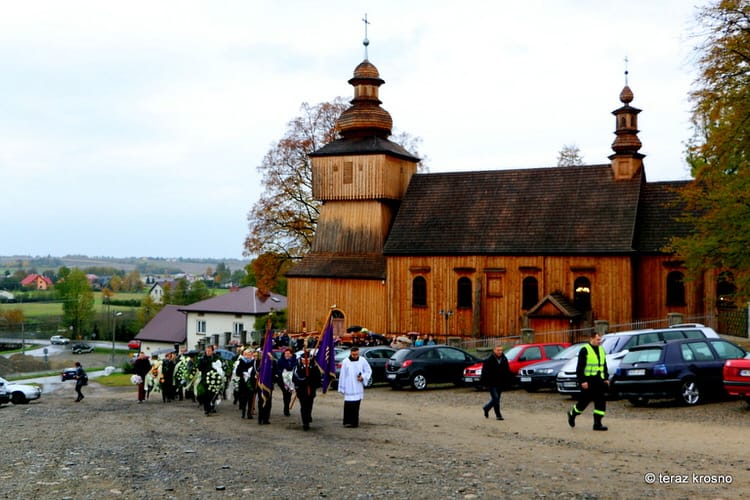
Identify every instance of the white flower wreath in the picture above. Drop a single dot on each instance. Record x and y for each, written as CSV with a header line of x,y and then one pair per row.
x,y
214,381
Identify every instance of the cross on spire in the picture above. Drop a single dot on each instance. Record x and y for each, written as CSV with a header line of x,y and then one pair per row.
x,y
626,70
365,42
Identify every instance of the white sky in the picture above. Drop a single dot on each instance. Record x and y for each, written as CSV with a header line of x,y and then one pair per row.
x,y
135,128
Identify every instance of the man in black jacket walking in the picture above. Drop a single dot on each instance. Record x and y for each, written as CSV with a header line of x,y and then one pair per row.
x,y
496,375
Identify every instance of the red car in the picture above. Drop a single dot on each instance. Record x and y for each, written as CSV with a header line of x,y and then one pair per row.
x,y
518,356
134,344
737,378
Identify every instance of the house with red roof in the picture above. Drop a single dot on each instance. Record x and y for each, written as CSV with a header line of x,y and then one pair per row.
x,y
36,282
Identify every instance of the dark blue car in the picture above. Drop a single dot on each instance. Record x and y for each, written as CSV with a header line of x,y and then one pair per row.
x,y
689,370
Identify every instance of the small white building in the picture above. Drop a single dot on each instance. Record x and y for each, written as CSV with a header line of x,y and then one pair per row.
x,y
228,319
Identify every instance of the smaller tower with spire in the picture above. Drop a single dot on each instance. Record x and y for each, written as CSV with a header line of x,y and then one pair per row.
x,y
626,161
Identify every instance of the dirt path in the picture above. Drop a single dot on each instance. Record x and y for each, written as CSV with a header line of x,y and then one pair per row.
x,y
430,444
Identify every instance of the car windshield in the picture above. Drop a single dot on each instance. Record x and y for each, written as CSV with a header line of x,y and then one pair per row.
x,y
609,343
651,355
569,352
513,352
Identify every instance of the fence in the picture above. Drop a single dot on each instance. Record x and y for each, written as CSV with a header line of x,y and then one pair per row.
x,y
734,323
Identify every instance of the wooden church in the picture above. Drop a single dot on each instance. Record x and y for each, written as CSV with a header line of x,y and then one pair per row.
x,y
485,254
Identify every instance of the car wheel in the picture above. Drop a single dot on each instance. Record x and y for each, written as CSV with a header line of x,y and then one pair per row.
x,y
690,393
18,398
638,401
419,381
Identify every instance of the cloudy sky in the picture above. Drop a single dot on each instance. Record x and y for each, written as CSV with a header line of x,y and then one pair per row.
x,y
135,128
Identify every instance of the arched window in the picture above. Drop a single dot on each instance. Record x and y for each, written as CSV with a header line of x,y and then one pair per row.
x,y
529,292
419,292
725,290
582,294
675,289
464,293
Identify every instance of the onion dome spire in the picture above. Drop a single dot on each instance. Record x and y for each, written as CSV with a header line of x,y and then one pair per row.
x,y
365,117
626,160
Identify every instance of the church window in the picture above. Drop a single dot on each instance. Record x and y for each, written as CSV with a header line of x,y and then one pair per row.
x,y
725,290
529,292
419,292
675,289
464,293
582,294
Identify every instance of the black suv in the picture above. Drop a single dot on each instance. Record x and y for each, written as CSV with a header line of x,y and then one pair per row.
x,y
81,348
688,369
418,366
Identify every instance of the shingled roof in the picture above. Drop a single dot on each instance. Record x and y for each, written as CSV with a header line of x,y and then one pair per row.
x,y
658,212
243,301
167,326
339,266
561,210
364,146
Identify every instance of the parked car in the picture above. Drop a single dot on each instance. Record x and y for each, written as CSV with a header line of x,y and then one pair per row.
x,y
376,356
736,375
689,370
20,393
420,366
543,375
617,345
134,344
518,356
58,340
68,374
4,397
81,348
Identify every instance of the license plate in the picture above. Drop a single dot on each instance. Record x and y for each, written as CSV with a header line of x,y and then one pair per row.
x,y
525,379
744,373
468,379
638,372
391,376
570,384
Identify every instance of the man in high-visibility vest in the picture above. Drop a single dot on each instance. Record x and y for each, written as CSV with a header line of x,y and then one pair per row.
x,y
593,378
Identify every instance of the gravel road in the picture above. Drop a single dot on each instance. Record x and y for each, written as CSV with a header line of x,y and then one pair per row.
x,y
429,444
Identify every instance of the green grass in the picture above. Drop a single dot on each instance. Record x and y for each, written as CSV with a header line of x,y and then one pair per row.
x,y
32,310
115,380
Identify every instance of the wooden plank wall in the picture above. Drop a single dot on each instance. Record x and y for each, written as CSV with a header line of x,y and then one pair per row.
x,y
370,177
501,314
651,302
348,227
361,301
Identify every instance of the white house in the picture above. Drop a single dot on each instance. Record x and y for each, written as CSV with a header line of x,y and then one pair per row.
x,y
228,319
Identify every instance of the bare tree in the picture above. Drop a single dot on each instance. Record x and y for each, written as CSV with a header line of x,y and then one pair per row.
x,y
569,156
